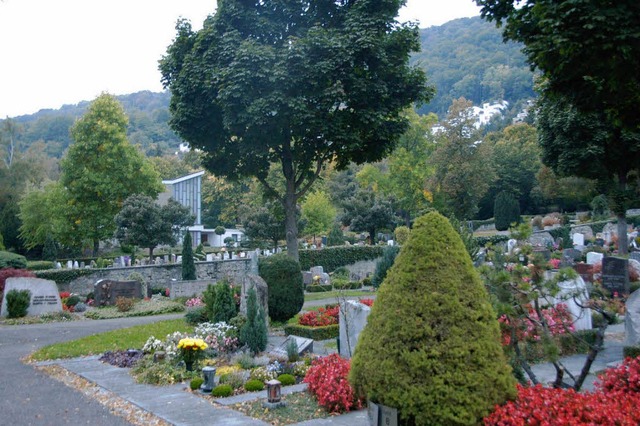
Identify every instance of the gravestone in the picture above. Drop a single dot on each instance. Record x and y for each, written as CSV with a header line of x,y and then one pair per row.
x,y
58,265
307,278
632,320
578,241
304,345
381,415
75,264
585,271
69,264
107,291
615,274
594,257
318,271
209,257
44,295
585,230
634,269
353,319
262,292
571,254
635,255
544,252
574,294
541,239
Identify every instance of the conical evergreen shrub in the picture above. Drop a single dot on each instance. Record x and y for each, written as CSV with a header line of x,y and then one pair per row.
x,y
188,264
506,210
254,332
431,347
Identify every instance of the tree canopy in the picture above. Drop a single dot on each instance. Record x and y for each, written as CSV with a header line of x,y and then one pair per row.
x,y
101,170
296,83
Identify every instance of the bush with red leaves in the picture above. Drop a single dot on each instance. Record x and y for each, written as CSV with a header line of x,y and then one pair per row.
x,y
321,317
327,380
623,378
548,406
13,273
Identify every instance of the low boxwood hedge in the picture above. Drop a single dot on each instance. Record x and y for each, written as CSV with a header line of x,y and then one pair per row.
x,y
63,276
315,333
319,288
331,258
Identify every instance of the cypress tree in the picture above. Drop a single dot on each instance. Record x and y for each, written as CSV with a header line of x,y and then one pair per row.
x,y
188,264
335,237
254,331
224,307
431,347
506,210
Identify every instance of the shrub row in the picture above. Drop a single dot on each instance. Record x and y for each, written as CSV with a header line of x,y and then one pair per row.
x,y
493,239
319,288
63,276
315,333
12,260
40,265
333,257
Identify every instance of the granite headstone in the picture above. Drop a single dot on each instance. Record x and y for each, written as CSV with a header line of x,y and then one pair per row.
x,y
44,295
615,274
107,291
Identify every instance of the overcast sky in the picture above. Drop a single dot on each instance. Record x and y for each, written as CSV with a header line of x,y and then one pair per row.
x,y
57,52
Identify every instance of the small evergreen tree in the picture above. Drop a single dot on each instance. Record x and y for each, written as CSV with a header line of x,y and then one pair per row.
x,y
224,307
188,264
506,210
335,237
50,249
388,257
431,347
254,331
286,287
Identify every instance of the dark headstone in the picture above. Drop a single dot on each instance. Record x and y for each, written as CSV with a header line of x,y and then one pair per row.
x,y
585,271
380,415
107,291
571,254
599,242
544,252
615,274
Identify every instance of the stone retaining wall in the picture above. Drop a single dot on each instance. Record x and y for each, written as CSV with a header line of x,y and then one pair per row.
x,y
164,275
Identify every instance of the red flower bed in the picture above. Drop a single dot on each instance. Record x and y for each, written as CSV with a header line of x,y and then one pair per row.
x,y
547,406
327,380
368,302
623,378
321,317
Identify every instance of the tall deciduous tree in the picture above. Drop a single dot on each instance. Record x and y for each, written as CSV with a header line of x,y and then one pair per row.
x,y
589,54
296,83
463,168
142,222
102,169
367,212
319,213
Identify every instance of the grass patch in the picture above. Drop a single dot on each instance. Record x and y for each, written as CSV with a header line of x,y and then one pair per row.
x,y
300,406
126,338
310,297
43,319
142,308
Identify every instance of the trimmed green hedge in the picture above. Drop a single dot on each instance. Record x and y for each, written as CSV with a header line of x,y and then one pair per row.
x,y
493,239
315,333
563,232
331,258
319,288
40,265
478,223
631,351
347,285
64,276
12,260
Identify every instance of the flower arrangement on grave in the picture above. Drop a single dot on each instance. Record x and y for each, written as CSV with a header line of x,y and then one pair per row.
x,y
191,350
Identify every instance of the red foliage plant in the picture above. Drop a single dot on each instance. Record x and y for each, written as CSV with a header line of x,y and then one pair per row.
x,y
327,380
623,378
368,302
538,405
321,317
13,273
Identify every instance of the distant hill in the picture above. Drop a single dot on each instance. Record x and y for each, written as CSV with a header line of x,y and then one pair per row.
x,y
465,57
148,114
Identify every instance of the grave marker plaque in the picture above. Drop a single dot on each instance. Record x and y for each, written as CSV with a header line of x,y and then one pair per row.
x,y
107,291
615,274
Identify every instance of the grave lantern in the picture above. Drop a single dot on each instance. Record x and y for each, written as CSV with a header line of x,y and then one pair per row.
x,y
209,374
274,391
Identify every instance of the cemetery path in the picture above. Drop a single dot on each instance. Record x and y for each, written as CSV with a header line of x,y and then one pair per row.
x,y
31,397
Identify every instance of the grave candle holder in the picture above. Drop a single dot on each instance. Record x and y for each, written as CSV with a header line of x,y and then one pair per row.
x,y
274,395
209,374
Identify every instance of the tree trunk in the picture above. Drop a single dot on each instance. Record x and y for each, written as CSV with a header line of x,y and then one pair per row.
x,y
151,254
291,222
96,247
623,241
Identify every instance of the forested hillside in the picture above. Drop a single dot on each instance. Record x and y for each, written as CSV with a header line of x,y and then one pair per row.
x,y
466,57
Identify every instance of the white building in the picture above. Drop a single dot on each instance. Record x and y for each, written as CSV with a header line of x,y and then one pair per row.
x,y
187,190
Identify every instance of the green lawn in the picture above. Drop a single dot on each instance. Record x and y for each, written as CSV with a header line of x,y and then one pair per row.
x,y
310,297
126,338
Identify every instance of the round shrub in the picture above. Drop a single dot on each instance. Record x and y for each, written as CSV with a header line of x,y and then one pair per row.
x,y
286,289
222,391
72,300
401,234
197,315
433,320
253,386
287,379
12,260
196,383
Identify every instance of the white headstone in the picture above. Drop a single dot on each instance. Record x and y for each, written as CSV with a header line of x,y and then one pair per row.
x,y
179,259
44,295
209,257
578,239
69,264
632,319
353,319
58,265
75,264
390,243
573,293
594,257
511,245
